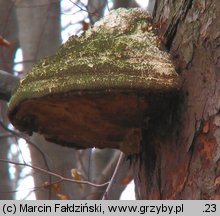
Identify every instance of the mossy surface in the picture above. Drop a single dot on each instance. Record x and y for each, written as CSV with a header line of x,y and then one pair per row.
x,y
121,51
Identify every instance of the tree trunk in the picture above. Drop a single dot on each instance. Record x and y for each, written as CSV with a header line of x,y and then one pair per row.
x,y
8,30
39,29
182,159
124,3
150,6
95,10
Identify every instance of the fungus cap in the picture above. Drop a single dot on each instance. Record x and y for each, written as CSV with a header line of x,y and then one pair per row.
x,y
92,92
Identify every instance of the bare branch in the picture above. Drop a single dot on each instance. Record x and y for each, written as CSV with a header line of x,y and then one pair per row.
x,y
121,157
90,13
2,135
20,135
54,174
17,134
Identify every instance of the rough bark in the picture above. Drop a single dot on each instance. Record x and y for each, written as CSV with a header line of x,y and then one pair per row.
x,y
182,159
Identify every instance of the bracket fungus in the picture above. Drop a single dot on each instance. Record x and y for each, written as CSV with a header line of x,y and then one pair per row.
x,y
95,90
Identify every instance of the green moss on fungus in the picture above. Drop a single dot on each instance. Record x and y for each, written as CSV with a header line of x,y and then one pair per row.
x,y
98,87
121,51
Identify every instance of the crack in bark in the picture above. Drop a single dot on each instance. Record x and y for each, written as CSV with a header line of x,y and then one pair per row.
x,y
191,151
172,29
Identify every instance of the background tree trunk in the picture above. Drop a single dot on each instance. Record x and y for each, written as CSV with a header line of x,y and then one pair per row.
x,y
150,6
95,10
124,4
8,30
183,160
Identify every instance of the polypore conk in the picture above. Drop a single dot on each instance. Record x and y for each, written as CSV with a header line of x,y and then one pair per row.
x,y
94,91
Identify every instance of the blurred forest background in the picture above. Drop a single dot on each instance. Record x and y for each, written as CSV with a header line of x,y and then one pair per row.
x,y
31,168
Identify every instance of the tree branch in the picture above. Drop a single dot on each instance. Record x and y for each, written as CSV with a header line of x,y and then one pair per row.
x,y
121,157
7,84
53,174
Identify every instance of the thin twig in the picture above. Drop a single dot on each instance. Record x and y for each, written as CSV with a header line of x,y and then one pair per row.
x,y
117,168
16,134
54,174
80,157
107,5
3,135
82,9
